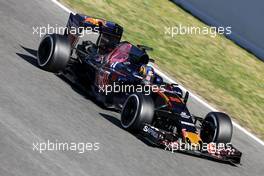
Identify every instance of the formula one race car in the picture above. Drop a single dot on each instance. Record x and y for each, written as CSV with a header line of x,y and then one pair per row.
x,y
117,73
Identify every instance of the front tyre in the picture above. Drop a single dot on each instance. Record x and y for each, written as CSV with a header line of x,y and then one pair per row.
x,y
217,127
138,109
54,52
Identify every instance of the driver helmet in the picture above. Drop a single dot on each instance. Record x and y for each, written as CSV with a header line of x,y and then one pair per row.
x,y
147,72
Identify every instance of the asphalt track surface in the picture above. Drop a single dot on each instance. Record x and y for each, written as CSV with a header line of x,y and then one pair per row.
x,y
38,106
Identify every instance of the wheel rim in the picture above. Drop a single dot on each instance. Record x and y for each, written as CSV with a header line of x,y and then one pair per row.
x,y
209,131
130,111
45,50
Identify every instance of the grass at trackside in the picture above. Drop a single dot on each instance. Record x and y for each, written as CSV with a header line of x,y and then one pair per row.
x,y
215,68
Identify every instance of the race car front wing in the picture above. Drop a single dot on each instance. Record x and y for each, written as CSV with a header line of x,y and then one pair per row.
x,y
174,143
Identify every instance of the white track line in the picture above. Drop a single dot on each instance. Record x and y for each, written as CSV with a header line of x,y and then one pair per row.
x,y
193,95
62,6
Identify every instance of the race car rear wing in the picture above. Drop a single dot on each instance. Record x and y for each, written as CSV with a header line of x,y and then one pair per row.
x,y
78,25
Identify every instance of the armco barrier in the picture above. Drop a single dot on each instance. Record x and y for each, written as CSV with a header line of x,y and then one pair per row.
x,y
245,17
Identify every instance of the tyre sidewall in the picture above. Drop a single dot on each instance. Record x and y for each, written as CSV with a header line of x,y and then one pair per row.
x,y
59,53
144,112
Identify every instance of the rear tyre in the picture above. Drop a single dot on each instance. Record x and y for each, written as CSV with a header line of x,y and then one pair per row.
x,y
138,109
54,52
216,127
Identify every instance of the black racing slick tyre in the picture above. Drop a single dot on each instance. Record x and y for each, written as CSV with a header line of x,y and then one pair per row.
x,y
138,109
54,53
217,127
